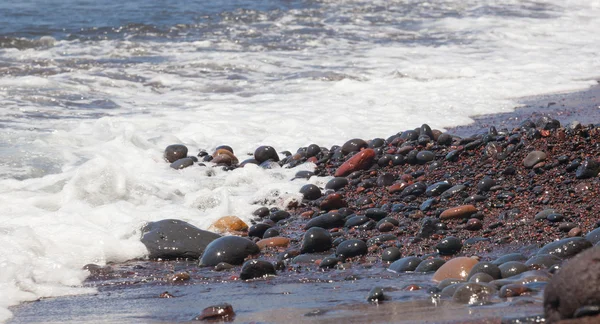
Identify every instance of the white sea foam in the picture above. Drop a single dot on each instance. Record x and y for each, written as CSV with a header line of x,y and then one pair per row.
x,y
78,182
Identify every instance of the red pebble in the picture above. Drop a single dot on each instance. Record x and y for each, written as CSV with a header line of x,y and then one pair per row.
x,y
361,161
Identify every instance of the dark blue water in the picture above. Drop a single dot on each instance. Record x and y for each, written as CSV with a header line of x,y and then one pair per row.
x,y
110,18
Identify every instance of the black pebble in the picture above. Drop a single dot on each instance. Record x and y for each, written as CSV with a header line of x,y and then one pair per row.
x,y
351,248
256,269
316,239
449,245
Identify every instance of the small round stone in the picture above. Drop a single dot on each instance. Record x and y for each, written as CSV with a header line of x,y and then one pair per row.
x,y
534,158
566,248
449,245
258,230
182,163
351,248
376,294
487,268
264,153
310,192
510,257
391,254
481,277
256,269
229,249
425,156
405,264
261,212
512,268
271,232
486,184
474,224
175,152
316,239
353,145
430,265
217,313
336,183
473,294
327,221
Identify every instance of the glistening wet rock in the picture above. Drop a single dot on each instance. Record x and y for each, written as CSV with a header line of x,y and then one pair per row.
x,y
405,264
351,248
576,285
430,265
310,192
182,163
172,239
316,239
256,269
487,268
566,248
336,183
217,313
175,152
229,249
449,245
264,153
353,145
362,160
327,221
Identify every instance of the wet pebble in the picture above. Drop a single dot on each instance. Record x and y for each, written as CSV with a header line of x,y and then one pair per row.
x,y
230,249
356,221
336,183
456,268
425,156
329,262
217,313
405,264
256,269
175,152
258,230
543,261
316,239
376,214
326,221
449,246
353,145
486,184
566,248
351,248
276,241
430,265
593,236
391,254
264,153
437,188
172,239
261,212
474,224
513,290
509,257
310,192
376,295
182,163
481,277
512,268
270,232
588,169
473,294
487,268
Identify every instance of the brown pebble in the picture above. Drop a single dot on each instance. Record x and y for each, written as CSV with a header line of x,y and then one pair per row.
x,y
223,156
333,201
386,227
575,231
181,276
229,224
362,160
412,287
458,212
223,312
165,294
277,241
457,268
474,224
513,290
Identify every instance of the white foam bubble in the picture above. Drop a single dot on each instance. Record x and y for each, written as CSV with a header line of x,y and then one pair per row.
x,y
76,190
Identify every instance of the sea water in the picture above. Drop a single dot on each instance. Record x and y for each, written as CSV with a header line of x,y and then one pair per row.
x,y
91,92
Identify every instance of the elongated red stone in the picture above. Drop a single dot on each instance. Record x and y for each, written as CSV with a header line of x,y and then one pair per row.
x,y
362,160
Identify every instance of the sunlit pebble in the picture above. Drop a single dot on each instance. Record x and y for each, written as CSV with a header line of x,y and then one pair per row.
x,y
412,288
182,276
166,294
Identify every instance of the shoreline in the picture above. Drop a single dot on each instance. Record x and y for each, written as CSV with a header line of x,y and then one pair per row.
x,y
129,292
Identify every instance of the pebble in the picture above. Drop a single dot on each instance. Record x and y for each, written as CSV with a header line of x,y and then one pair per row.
x,y
329,262
487,268
262,212
509,257
182,163
258,230
175,152
279,215
326,221
425,156
391,254
430,265
230,249
313,150
544,214
362,160
576,285
481,277
512,268
437,188
223,156
336,184
593,236
303,174
463,211
270,232
456,268
566,248
534,158
543,261
474,224
449,246
264,153
486,184
310,192
588,169
351,248
513,290
354,145
376,295
173,239
415,189
333,201
277,241
453,191
222,312
316,239
376,214
229,224
386,179
473,294
257,269
356,221
405,264
555,218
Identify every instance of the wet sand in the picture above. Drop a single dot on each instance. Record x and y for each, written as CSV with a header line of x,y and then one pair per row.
x,y
130,292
